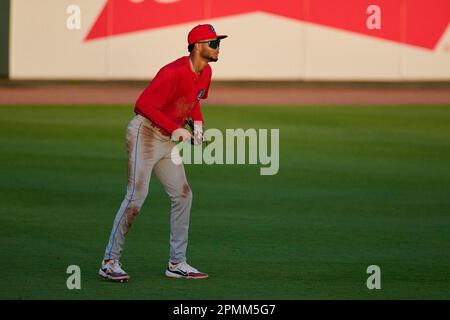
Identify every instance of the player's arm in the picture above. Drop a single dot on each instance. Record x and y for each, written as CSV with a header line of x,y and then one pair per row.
x,y
195,120
196,113
155,96
196,123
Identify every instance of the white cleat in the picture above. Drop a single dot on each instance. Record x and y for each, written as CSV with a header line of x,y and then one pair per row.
x,y
183,270
112,270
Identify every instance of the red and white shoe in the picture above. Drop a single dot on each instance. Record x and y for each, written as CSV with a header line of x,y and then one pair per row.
x,y
112,270
183,270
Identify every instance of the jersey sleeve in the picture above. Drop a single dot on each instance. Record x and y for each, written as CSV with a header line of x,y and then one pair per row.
x,y
155,96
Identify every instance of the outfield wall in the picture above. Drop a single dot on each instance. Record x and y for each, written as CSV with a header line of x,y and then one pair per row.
x,y
268,39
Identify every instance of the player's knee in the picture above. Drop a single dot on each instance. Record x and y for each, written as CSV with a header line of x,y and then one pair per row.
x,y
187,192
183,195
137,197
139,200
131,214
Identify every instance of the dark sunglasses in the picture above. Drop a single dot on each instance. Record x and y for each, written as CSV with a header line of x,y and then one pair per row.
x,y
214,44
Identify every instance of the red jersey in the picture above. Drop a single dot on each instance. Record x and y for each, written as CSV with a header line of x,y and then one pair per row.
x,y
174,94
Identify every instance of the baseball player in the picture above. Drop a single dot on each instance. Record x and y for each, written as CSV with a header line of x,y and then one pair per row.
x,y
162,109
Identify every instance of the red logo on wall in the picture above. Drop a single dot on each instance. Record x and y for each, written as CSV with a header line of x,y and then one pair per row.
x,y
419,23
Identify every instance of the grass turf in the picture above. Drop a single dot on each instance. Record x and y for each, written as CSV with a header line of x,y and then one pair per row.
x,y
357,186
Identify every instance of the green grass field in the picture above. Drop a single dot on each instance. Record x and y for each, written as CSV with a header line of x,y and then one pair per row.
x,y
357,186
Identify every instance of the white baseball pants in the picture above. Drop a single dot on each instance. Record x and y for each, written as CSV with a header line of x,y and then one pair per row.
x,y
148,150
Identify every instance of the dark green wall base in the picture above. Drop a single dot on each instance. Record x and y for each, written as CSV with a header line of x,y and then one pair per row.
x,y
4,38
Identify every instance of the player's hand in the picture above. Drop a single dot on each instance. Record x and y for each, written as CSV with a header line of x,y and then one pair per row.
x,y
198,134
180,135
